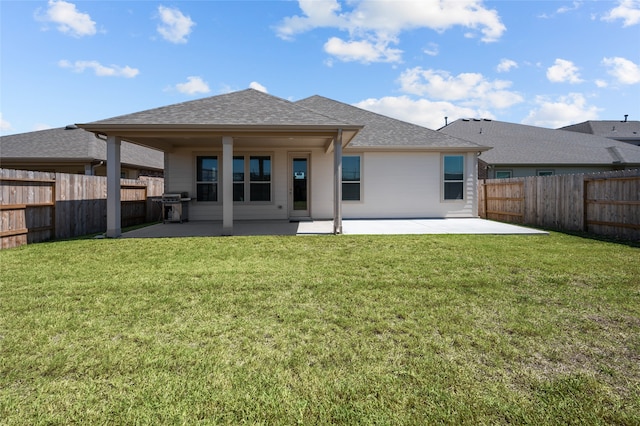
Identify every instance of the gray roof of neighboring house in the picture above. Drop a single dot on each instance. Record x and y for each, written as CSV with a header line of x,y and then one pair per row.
x,y
243,108
521,144
71,144
612,129
381,131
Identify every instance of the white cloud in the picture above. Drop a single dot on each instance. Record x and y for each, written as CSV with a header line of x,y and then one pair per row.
x,y
257,86
624,71
565,110
574,6
627,10
374,24
472,89
362,51
506,65
69,19
563,71
175,26
5,126
193,86
432,50
99,69
601,84
421,111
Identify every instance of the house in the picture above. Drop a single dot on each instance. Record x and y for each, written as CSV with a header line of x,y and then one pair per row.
x,y
250,155
623,131
520,150
72,150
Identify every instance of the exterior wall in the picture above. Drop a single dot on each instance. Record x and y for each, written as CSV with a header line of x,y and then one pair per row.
x,y
180,171
409,185
520,171
394,185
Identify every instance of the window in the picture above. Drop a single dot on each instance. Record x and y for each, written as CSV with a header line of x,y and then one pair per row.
x,y
453,177
260,178
207,178
351,178
503,174
545,173
238,179
251,178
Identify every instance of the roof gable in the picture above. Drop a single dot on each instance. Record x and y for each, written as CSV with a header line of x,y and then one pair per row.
x,y
522,144
243,108
381,131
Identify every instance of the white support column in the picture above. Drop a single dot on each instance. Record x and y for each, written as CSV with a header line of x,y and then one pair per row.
x,y
337,183
227,185
113,187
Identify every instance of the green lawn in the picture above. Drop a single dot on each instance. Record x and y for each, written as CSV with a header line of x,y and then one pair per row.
x,y
321,329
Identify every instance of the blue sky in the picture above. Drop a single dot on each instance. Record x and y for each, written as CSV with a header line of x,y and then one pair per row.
x,y
544,63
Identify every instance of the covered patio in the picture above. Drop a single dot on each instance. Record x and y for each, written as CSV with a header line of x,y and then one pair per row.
x,y
214,132
325,227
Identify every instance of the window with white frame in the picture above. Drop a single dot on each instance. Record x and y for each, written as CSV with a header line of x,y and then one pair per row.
x,y
503,174
260,178
351,178
453,177
238,178
207,178
251,178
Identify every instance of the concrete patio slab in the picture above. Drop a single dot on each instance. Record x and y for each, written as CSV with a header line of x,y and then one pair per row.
x,y
325,227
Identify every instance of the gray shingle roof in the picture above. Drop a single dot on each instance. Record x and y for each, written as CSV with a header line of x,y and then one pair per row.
x,y
612,129
243,108
381,131
522,144
73,144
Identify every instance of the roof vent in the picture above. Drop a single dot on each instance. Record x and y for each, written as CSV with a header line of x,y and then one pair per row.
x,y
465,119
476,119
70,127
625,118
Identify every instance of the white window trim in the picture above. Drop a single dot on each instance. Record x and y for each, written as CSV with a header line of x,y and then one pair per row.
x,y
218,156
361,181
463,180
247,177
495,172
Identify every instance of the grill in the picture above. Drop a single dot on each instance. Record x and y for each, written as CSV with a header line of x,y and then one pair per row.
x,y
175,207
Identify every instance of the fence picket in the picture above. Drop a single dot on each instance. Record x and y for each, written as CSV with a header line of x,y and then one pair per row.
x,y
59,205
602,203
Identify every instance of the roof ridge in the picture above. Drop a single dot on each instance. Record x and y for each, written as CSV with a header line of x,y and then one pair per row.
x,y
386,117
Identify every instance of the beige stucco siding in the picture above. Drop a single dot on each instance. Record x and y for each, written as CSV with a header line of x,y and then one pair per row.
x,y
180,176
406,185
394,185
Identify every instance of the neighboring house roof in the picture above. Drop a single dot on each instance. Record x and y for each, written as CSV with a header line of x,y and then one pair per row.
x,y
385,132
625,131
528,145
72,145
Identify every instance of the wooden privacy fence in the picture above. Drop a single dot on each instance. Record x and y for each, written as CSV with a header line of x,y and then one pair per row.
x,y
601,203
40,206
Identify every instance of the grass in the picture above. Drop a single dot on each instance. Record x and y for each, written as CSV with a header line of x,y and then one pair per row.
x,y
321,330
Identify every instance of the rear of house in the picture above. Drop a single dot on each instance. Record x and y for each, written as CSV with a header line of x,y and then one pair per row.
x,y
249,155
